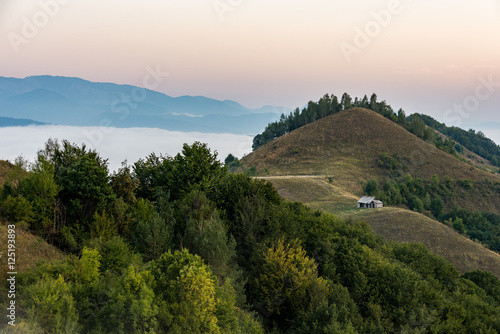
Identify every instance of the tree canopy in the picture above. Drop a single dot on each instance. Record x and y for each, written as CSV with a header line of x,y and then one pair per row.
x,y
179,245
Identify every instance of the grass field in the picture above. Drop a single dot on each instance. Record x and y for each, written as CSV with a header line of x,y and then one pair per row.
x,y
29,251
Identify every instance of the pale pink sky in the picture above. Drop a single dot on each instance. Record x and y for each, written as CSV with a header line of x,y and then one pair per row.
x,y
425,56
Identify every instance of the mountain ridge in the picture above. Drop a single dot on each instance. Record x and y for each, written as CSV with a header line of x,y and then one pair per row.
x,y
9,121
80,102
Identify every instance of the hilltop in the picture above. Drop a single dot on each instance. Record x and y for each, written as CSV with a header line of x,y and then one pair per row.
x,y
347,147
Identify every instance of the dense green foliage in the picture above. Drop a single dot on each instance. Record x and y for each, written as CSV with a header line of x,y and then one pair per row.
x,y
422,126
472,140
481,226
180,245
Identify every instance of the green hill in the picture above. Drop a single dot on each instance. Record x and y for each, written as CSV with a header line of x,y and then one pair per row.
x,y
325,164
347,147
180,245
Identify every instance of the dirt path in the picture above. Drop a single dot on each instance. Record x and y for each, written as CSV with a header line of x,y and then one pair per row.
x,y
288,177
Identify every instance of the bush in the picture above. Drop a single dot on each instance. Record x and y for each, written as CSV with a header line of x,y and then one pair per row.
x,y
371,188
388,162
51,306
437,206
17,209
251,171
416,204
466,184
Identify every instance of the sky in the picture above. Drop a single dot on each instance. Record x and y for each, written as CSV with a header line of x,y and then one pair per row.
x,y
437,57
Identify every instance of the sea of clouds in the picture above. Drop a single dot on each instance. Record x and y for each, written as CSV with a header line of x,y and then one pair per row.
x,y
131,144
117,144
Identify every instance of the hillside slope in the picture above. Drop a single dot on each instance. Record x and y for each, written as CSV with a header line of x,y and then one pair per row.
x,y
326,163
394,224
7,170
30,250
347,146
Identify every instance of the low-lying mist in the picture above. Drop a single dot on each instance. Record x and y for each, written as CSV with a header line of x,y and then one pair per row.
x,y
117,144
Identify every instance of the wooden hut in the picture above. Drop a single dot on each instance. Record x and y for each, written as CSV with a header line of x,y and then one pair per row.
x,y
369,202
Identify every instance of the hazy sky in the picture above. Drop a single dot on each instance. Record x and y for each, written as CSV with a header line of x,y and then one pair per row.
x,y
424,56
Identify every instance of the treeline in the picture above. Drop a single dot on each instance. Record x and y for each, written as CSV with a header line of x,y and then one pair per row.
x,y
179,245
330,104
472,140
327,105
477,225
432,197
415,123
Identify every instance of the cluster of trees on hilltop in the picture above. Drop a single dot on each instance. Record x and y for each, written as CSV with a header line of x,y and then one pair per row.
x,y
330,104
327,105
179,245
415,123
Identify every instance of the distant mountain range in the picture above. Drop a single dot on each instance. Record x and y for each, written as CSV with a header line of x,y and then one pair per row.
x,y
8,121
78,102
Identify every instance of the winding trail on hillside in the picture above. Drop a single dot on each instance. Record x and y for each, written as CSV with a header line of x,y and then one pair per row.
x,y
288,177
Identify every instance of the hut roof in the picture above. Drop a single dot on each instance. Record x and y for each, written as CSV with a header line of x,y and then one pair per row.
x,y
366,200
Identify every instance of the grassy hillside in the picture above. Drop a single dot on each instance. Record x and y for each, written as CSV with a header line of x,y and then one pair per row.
x,y
394,224
347,146
30,250
477,161
5,168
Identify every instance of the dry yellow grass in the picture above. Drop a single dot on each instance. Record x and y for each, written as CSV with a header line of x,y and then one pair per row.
x,y
402,225
30,250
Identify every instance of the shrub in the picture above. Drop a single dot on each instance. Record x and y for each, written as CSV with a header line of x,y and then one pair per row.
x,y
371,188
16,209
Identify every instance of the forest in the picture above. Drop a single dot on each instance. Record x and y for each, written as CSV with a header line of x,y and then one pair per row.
x,y
474,141
180,245
422,126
